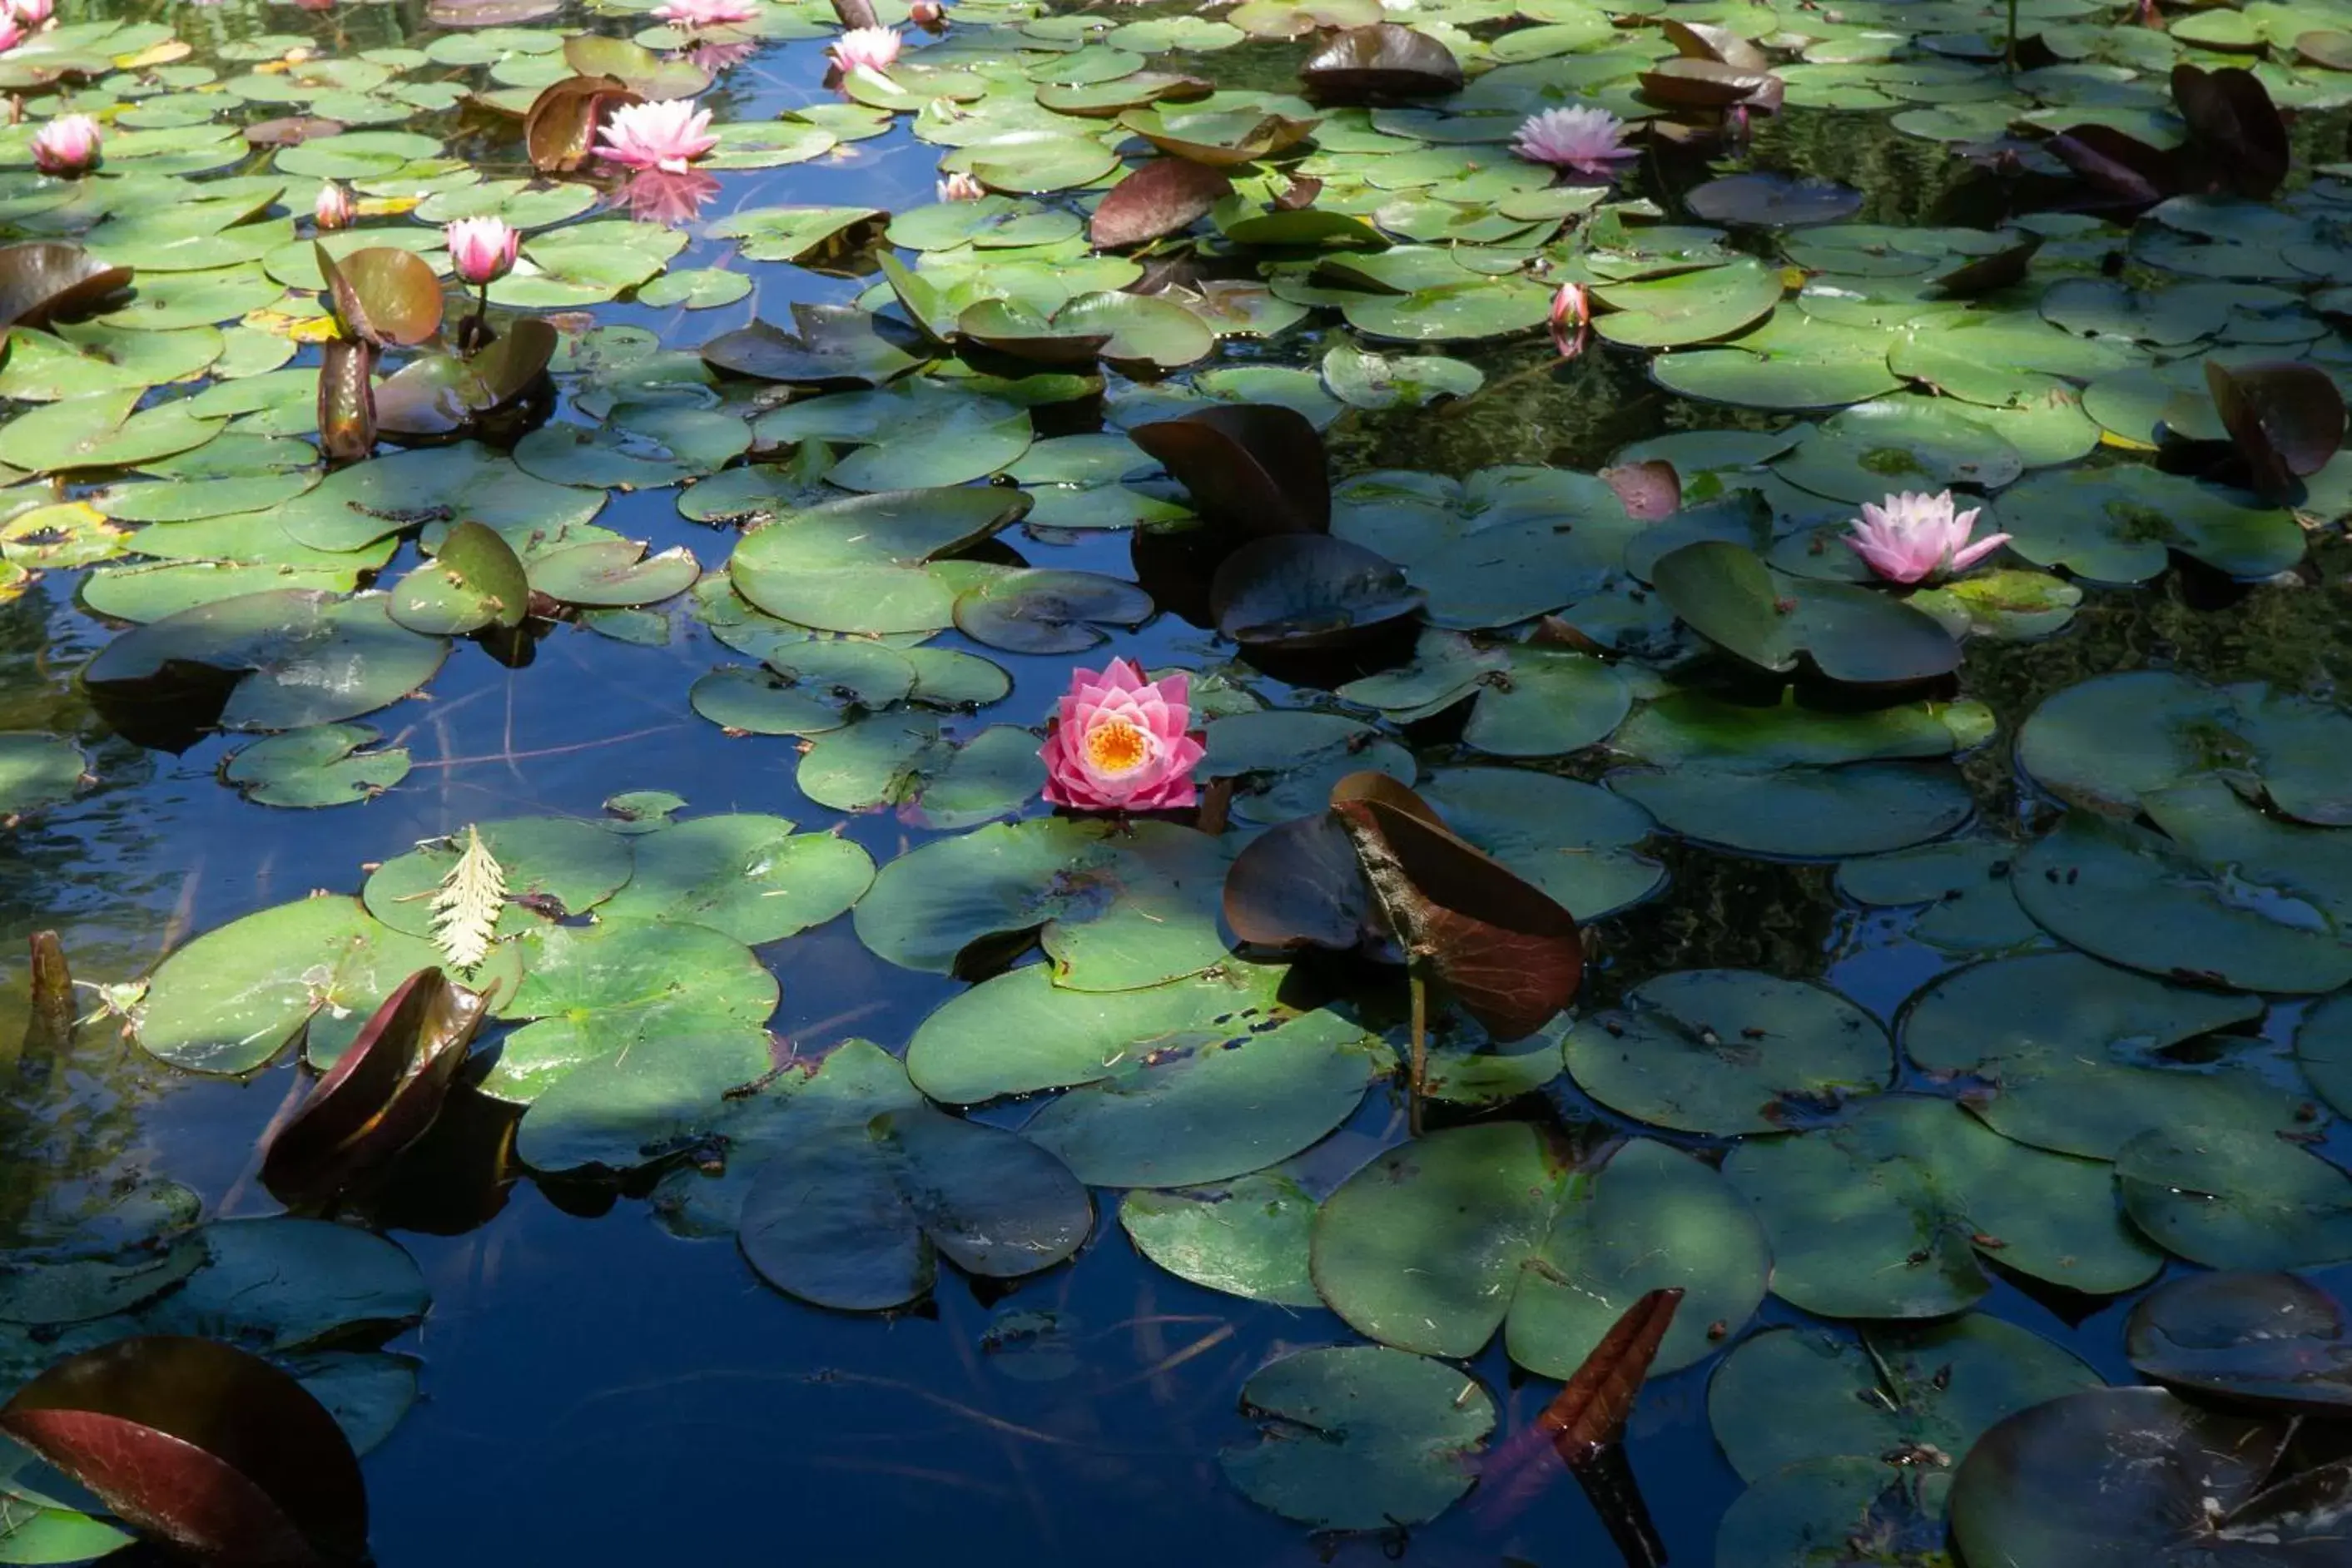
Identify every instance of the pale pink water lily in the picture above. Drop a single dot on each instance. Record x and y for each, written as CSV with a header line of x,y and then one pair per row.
x,y
865,49
707,12
33,13
960,187
66,145
1919,538
715,58
12,31
1119,742
667,135
1587,140
334,208
1571,320
653,196
482,250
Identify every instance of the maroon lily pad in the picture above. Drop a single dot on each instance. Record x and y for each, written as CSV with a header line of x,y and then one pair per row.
x,y
346,399
382,1095
1649,490
1162,196
1687,83
204,1445
1384,61
1988,273
381,295
1298,884
44,278
291,130
1505,949
2274,1342
559,131
444,394
1258,467
2234,128
2134,174
1706,41
2285,417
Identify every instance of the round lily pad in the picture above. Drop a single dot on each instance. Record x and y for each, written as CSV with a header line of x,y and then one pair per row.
x,y
2229,1198
750,875
2264,1340
1247,1238
319,766
555,868
1728,1051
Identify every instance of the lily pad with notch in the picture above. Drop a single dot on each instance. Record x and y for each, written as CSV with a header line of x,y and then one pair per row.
x,y
748,875
1358,1437
320,765
862,565
1049,611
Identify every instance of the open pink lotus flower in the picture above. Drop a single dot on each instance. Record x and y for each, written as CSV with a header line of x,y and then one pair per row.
x,y
707,12
865,49
667,135
482,250
1119,742
66,145
1589,141
1918,537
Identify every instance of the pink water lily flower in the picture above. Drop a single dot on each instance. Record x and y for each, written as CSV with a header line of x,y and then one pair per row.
x,y
12,31
31,13
1571,320
960,187
482,250
1919,538
865,49
1119,742
66,145
1589,141
667,135
334,208
707,12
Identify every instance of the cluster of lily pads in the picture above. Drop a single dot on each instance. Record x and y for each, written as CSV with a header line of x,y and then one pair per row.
x,y
1462,722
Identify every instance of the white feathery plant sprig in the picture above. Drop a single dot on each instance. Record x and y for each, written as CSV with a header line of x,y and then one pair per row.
x,y
465,909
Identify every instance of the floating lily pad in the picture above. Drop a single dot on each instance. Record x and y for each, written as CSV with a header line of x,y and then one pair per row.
x,y
36,771
1867,808
2266,1341
860,565
2119,523
1359,1438
321,765
750,875
1247,1238
2229,1198
1726,1051
555,868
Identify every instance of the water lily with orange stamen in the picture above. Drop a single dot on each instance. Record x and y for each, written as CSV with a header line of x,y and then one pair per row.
x,y
1119,742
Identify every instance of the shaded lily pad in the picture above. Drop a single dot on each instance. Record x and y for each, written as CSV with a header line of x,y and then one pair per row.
x,y
1359,1438
2268,1342
36,771
2118,524
2229,1198
1247,1238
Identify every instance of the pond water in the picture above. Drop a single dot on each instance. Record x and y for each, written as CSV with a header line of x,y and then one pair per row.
x,y
1962,956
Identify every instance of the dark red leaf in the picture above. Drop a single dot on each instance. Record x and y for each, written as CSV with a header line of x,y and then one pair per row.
x,y
290,130
2130,170
1161,198
44,278
212,1449
1381,61
1686,83
382,295
2286,418
347,400
1650,490
560,130
382,1095
2235,129
1298,884
1706,41
1257,466
1508,953
1584,1419
1988,273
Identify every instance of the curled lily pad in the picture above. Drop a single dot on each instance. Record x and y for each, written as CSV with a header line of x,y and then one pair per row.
x,y
1257,466
1380,62
1360,1438
1049,612
2286,417
44,277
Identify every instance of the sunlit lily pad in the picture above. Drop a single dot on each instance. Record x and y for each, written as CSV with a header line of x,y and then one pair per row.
x,y
1247,1238
750,875
319,766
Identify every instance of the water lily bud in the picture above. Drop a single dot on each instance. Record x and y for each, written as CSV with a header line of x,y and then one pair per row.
x,y
334,207
67,146
960,187
31,13
928,15
482,250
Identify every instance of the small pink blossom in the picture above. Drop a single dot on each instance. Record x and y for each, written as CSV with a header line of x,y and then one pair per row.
x,y
653,196
1571,320
1586,140
1918,537
715,58
12,31
667,135
31,13
334,208
1119,742
482,250
864,49
707,12
960,187
66,145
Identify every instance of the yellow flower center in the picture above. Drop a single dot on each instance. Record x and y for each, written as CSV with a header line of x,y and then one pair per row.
x,y
1117,747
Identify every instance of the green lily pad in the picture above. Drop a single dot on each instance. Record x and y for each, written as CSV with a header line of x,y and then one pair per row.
x,y
2229,1198
1803,814
321,765
36,771
356,506
1247,1238
2107,741
554,867
1894,1514
1879,1216
1195,1080
640,446
1114,907
1963,885
1574,840
100,430
906,761
1685,307
2119,523
862,565
1285,761
909,435
473,581
1358,1437
750,875
1726,1051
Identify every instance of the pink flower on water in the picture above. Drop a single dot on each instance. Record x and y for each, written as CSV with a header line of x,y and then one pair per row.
x,y
482,250
66,145
715,58
12,31
31,13
707,12
334,208
864,49
1586,140
1119,742
1571,320
667,135
960,187
653,196
1918,537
